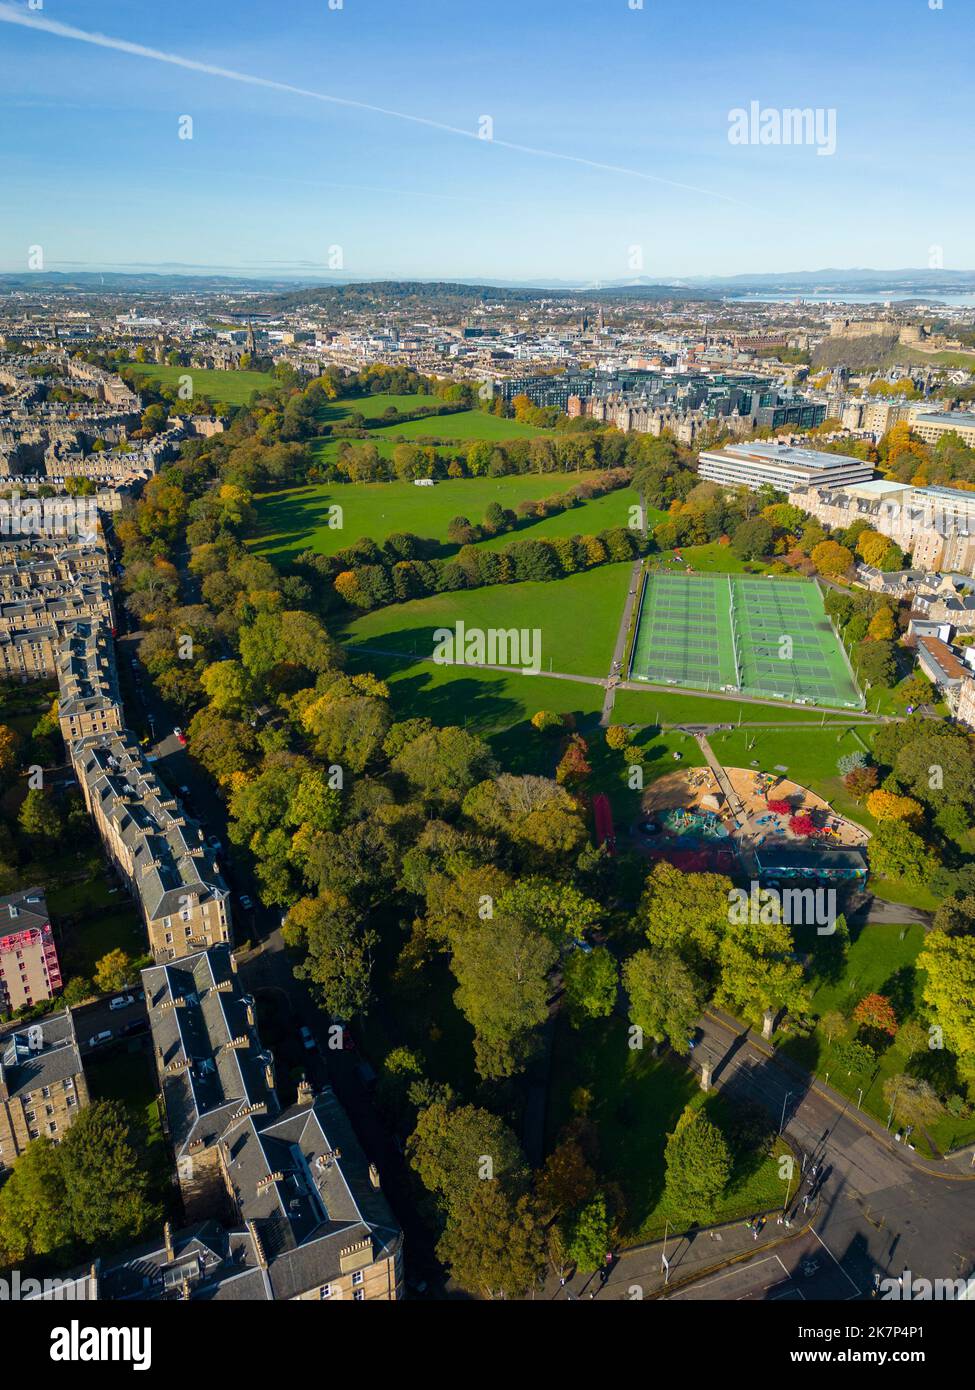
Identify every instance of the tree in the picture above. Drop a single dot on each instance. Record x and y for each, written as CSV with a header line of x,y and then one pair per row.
x,y
802,824
34,1219
228,686
666,996
861,781
443,764
617,737
696,931
338,952
574,767
884,805
948,963
834,1025
502,991
831,558
39,816
494,1244
698,1165
9,746
591,981
567,1179
113,972
752,539
912,1100
587,1235
106,1184
875,1011
454,1150
897,852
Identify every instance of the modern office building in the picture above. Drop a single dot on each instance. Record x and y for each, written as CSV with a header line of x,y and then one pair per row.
x,y
781,466
931,427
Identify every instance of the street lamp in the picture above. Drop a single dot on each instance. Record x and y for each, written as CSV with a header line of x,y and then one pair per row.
x,y
785,1100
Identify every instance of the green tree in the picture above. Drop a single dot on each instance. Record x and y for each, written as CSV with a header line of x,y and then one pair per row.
x,y
502,991
454,1149
698,1165
666,996
495,1244
39,816
591,981
587,1235
106,1184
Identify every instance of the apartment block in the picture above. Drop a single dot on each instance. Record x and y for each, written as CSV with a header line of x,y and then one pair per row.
x,y
42,1083
29,968
158,849
211,1065
88,693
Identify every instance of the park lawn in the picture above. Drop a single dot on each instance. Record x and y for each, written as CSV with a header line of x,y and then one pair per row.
x,y
635,1101
611,768
809,756
225,387
880,960
642,707
297,519
464,425
712,558
577,618
373,407
496,705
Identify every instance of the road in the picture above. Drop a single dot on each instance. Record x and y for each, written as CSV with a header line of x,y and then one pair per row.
x,y
881,1209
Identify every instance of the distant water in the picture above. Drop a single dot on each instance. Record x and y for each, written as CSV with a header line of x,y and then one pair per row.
x,y
957,301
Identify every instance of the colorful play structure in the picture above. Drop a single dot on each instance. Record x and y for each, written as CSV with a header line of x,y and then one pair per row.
x,y
682,821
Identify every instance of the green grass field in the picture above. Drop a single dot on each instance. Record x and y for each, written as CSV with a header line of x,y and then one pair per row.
x,y
465,425
229,388
767,637
660,706
880,960
297,519
577,619
635,1100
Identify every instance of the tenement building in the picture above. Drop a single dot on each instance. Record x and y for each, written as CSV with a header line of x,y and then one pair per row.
x,y
159,850
42,1083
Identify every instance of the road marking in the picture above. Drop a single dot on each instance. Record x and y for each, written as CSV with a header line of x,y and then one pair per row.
x,y
834,1259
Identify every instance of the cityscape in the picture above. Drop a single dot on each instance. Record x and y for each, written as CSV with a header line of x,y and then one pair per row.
x,y
487,671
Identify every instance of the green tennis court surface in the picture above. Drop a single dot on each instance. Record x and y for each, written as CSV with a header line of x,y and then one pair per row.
x,y
764,637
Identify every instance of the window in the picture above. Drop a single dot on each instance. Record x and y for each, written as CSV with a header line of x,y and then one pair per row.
x,y
325,1291
357,1278
359,1295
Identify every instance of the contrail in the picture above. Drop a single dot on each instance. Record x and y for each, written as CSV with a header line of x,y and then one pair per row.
x,y
11,14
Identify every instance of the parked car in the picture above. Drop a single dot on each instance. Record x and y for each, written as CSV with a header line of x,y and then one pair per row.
x,y
181,736
307,1039
137,1025
246,902
122,1001
214,844
98,1038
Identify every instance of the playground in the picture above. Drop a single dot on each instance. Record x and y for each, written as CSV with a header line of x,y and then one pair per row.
x,y
692,813
763,637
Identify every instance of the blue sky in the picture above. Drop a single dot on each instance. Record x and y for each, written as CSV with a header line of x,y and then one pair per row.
x,y
92,169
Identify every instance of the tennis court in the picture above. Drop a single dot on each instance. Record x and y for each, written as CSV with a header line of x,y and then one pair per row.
x,y
765,637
